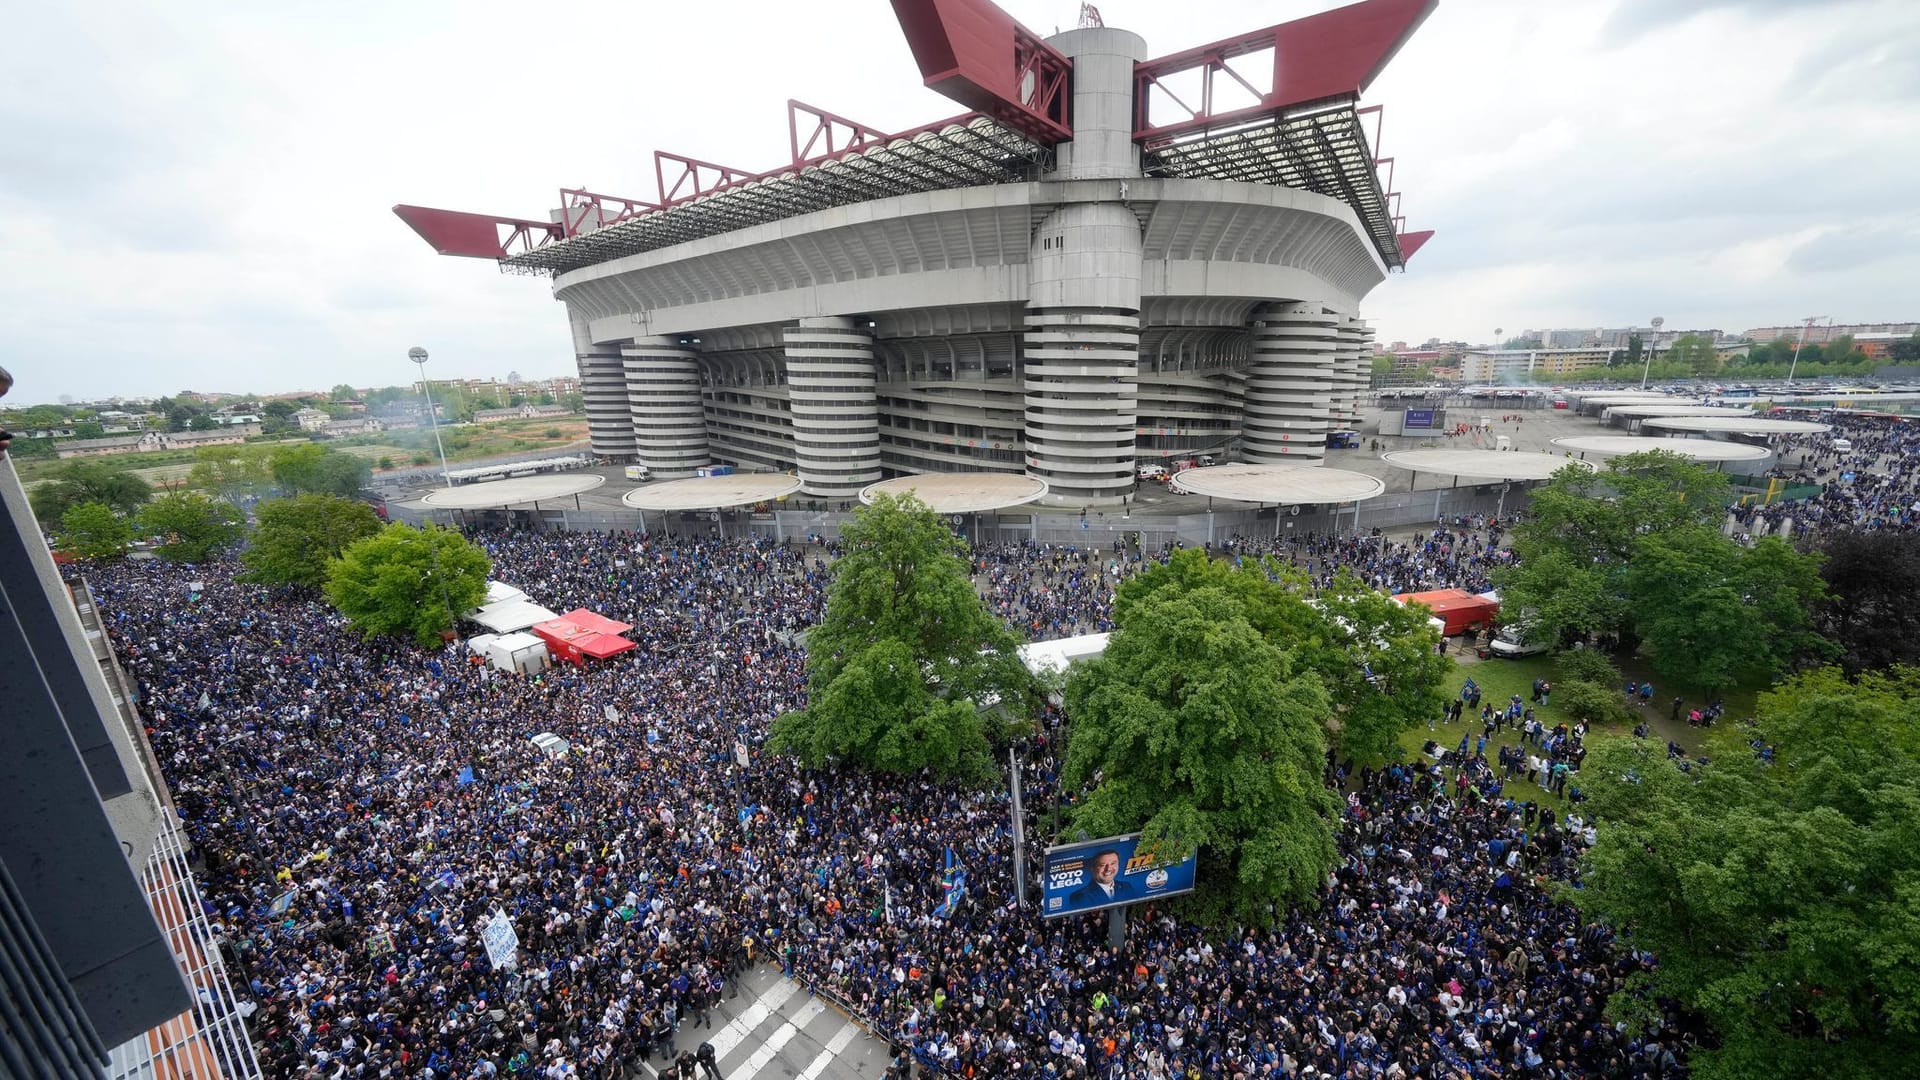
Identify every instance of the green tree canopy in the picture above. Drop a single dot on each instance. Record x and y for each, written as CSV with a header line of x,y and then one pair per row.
x,y
78,482
1870,612
1574,553
232,472
308,468
192,527
1782,899
916,646
1717,615
92,530
298,536
1197,731
1695,352
1378,660
408,582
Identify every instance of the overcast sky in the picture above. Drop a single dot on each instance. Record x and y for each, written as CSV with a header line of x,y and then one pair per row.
x,y
196,194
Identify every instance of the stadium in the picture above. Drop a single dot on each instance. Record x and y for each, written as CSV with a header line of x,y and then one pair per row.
x,y
1109,259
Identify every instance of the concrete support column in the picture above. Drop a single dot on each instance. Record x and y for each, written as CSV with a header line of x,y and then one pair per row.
x,y
663,398
836,416
603,394
1102,146
1351,371
1291,383
1082,353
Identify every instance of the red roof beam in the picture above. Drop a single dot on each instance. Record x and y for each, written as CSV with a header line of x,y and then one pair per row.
x,y
577,208
478,236
976,54
1411,242
1330,56
830,135
695,176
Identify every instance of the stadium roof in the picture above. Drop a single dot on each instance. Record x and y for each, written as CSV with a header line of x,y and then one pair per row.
x,y
1697,449
1758,425
498,494
961,493
712,492
1481,464
1285,485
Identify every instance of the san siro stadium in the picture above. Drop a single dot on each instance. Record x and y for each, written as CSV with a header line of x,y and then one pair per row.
x,y
1109,260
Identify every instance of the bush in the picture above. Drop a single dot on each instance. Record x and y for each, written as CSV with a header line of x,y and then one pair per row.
x,y
385,462
422,459
1586,665
1590,701
551,433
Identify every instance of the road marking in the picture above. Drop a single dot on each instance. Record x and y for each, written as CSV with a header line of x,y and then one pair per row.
x,y
755,1015
842,1039
767,1051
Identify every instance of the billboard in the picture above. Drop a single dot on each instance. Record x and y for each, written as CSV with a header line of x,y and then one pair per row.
x,y
1418,418
1106,873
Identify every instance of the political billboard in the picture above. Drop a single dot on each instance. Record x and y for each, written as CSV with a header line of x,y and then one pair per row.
x,y
1107,873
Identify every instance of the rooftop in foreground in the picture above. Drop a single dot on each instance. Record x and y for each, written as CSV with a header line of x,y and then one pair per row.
x,y
712,492
1282,485
519,491
1697,449
961,493
1481,464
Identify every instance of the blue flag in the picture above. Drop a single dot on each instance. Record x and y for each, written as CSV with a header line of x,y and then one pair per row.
x,y
466,776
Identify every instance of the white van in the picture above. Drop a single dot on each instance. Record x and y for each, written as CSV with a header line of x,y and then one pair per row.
x,y
638,472
1520,638
1844,446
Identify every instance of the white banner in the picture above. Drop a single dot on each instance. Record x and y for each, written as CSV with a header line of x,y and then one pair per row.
x,y
503,945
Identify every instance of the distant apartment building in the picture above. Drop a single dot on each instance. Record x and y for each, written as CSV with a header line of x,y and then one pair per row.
x,y
1820,334
1525,365
518,412
311,419
156,440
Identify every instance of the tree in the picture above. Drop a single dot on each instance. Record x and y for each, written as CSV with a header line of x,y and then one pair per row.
x,y
202,423
1696,352
343,392
79,482
898,669
1716,615
1378,661
92,530
1194,729
1571,572
1870,610
308,468
234,472
88,430
408,582
193,526
1781,896
298,536
1635,348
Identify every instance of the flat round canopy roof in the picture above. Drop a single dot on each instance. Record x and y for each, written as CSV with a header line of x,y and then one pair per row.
x,y
1287,485
712,492
518,491
1757,425
1649,409
1480,464
961,493
1697,449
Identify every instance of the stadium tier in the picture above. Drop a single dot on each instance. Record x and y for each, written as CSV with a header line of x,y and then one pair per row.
x,y
1082,273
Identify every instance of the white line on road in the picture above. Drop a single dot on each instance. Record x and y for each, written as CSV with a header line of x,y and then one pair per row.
x,y
842,1039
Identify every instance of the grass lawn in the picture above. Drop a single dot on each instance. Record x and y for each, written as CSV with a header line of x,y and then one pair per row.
x,y
1498,679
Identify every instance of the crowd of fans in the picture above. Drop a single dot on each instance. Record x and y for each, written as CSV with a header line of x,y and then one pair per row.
x,y
362,808
1870,485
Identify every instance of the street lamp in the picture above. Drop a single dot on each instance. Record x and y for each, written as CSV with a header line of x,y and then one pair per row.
x,y
419,356
1647,353
1805,325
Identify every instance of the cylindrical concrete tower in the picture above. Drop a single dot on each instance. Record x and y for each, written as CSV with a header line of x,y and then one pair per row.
x,y
603,394
1291,382
836,418
1351,372
1083,303
1082,353
663,396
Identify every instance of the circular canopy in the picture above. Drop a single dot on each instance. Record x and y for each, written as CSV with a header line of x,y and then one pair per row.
x,y
1757,425
1642,410
712,492
1480,464
961,493
1287,485
1697,449
518,491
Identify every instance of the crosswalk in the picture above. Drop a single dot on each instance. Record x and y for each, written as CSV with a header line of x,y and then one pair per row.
x,y
776,1030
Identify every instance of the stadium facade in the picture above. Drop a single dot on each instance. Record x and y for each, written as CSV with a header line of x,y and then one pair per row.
x,y
1109,259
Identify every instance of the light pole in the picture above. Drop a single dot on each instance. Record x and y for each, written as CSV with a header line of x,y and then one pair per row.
x,y
419,356
1806,324
1646,364
1016,761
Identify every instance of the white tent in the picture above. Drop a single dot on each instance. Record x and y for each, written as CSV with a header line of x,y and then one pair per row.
x,y
521,652
498,591
509,615
550,744
1058,654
